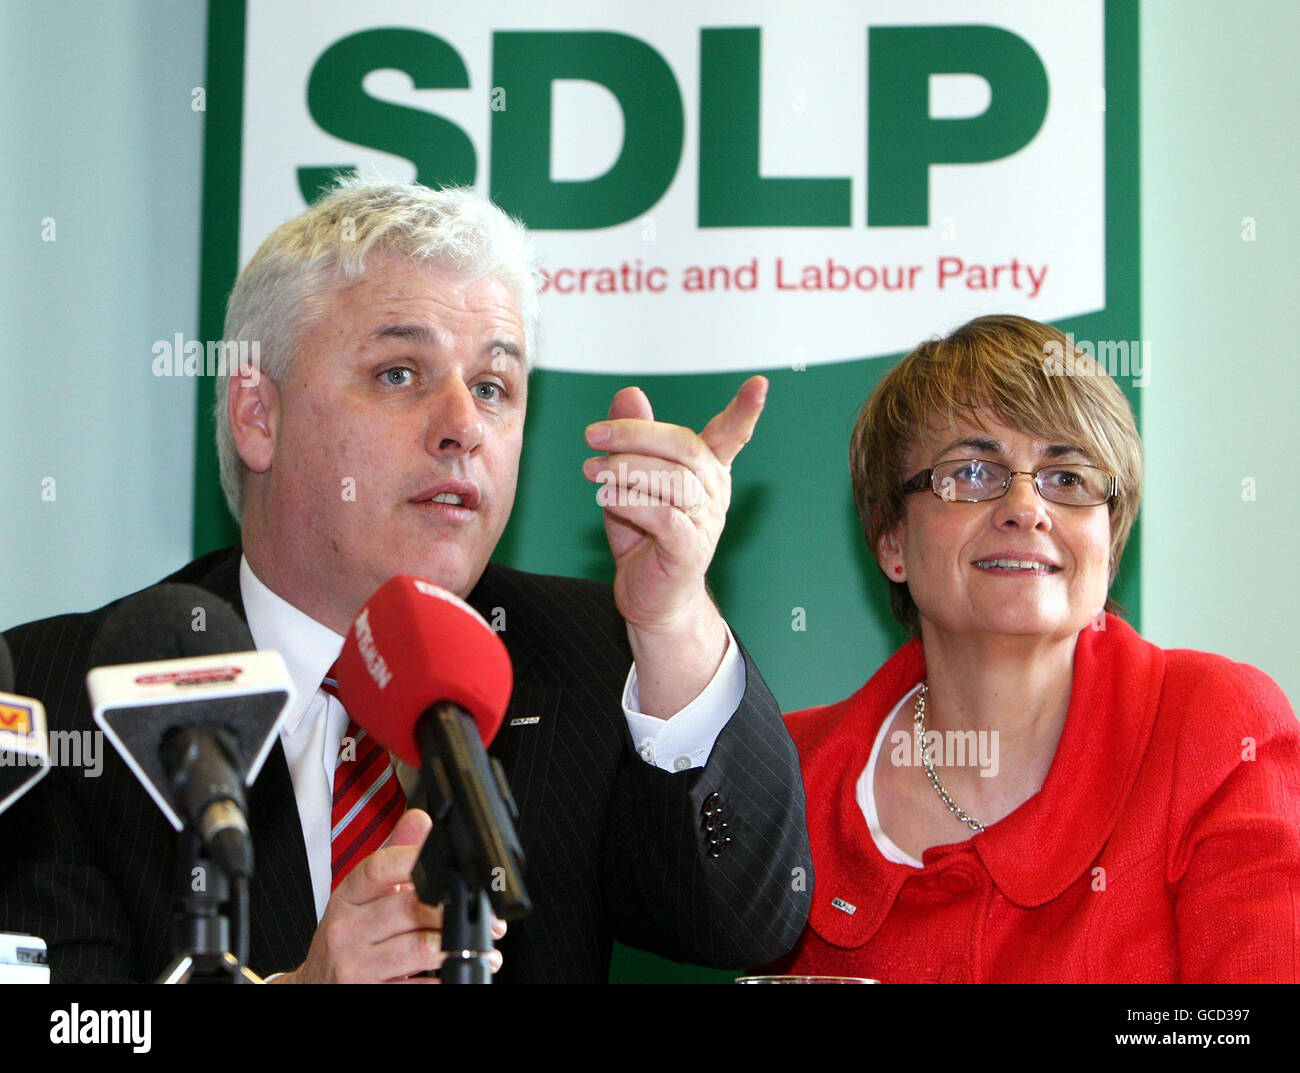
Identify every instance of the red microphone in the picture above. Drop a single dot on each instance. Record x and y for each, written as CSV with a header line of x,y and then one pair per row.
x,y
411,646
425,675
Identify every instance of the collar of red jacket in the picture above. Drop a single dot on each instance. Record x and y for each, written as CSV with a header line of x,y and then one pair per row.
x,y
1033,854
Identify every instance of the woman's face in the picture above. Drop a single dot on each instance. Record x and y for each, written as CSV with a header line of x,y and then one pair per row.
x,y
946,551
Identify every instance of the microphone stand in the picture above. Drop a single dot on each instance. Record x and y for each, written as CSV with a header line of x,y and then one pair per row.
x,y
201,934
466,934
466,909
442,878
452,871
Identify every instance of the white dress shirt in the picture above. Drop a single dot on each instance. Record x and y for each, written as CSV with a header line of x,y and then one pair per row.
x,y
313,729
866,793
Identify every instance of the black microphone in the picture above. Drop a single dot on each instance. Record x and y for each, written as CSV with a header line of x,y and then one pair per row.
x,y
430,681
208,779
24,744
191,708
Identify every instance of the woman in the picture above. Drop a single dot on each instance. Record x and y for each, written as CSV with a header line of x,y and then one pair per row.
x,y
1027,790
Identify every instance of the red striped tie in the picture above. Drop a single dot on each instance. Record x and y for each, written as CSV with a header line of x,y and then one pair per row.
x,y
368,799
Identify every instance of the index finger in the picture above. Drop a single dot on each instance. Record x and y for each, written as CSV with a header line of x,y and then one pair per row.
x,y
730,430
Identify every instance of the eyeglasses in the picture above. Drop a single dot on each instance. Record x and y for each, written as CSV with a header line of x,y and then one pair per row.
x,y
975,480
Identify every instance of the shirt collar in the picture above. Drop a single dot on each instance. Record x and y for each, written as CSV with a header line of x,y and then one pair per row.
x,y
309,649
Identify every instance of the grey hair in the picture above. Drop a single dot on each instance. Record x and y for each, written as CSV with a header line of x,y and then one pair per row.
x,y
292,273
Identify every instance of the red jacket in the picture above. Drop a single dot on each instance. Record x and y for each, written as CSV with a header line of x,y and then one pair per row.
x,y
1164,844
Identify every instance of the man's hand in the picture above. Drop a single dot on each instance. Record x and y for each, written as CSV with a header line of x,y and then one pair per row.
x,y
375,928
665,491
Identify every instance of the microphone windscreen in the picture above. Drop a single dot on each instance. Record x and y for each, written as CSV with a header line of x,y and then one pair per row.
x,y
170,621
411,646
6,667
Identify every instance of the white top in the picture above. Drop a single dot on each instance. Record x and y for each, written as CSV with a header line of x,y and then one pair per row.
x,y
313,729
867,791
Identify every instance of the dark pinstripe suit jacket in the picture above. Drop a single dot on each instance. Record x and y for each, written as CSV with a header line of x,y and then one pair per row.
x,y
616,849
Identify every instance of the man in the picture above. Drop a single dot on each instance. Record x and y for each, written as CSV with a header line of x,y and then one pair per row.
x,y
382,435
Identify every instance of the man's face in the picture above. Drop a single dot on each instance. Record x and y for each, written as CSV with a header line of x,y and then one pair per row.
x,y
393,445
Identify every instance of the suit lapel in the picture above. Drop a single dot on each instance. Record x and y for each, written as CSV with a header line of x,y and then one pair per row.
x,y
527,736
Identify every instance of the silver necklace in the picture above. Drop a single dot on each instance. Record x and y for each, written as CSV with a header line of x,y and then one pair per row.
x,y
927,762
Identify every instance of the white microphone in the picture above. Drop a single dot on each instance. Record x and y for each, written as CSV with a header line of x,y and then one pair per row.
x,y
196,729
24,743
